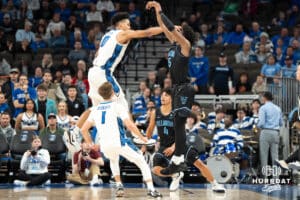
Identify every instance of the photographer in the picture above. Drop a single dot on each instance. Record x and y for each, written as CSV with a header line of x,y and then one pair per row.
x,y
85,169
34,165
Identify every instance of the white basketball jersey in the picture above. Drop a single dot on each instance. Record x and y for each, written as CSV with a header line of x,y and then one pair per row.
x,y
110,51
108,118
63,122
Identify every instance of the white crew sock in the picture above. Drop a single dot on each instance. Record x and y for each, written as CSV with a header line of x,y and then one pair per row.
x,y
150,185
177,159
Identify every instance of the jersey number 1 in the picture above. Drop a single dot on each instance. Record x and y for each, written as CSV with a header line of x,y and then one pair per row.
x,y
103,117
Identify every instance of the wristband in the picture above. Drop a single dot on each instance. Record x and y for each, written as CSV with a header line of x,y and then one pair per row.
x,y
168,23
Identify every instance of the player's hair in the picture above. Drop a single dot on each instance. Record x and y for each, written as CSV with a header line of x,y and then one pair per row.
x,y
119,17
188,33
168,91
105,90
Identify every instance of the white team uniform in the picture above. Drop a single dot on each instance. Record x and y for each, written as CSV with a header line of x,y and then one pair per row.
x,y
108,118
110,54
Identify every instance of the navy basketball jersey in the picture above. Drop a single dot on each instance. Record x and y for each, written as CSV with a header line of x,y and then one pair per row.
x,y
165,128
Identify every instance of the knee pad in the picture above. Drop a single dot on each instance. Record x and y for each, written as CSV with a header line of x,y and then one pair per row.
x,y
192,155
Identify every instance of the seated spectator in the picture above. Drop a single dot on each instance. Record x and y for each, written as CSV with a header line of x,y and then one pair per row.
x,y
190,125
44,105
78,53
259,86
22,94
24,12
5,127
24,47
255,31
199,40
198,71
218,122
81,64
237,36
42,32
66,83
155,97
26,33
37,78
296,51
29,120
289,69
262,54
264,40
134,15
141,89
246,55
142,121
167,83
92,44
296,35
63,11
34,165
271,68
63,118
242,121
57,40
227,139
78,35
47,63
279,20
75,105
65,67
284,35
243,84
293,16
39,43
53,91
9,86
4,107
82,83
279,56
255,105
8,25
205,35
220,35
140,104
55,24
73,23
196,108
151,79
85,166
93,15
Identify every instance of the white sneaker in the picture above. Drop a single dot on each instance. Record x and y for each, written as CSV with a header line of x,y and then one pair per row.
x,y
96,181
20,183
216,187
176,181
294,165
282,164
48,182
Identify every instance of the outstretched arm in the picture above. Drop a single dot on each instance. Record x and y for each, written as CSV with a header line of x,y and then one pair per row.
x,y
125,36
172,32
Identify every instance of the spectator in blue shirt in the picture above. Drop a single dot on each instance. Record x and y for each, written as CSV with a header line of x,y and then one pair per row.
x,y
293,16
156,95
255,31
205,35
37,78
63,10
271,68
220,36
289,69
26,33
198,70
140,103
57,40
21,94
237,36
134,14
38,43
4,107
284,35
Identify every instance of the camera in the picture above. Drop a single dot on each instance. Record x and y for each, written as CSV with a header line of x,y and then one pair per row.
x,y
33,152
85,153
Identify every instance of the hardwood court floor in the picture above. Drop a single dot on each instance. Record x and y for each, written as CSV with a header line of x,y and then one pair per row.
x,y
137,193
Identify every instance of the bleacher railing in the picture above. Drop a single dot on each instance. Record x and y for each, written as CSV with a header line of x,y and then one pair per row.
x,y
285,92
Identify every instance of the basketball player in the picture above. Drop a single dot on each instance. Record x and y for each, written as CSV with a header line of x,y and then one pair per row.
x,y
109,117
163,118
183,91
112,48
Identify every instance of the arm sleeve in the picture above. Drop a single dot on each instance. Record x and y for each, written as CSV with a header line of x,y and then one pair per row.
x,y
24,162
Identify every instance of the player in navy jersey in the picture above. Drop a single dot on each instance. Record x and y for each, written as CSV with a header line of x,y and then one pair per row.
x,y
183,91
163,118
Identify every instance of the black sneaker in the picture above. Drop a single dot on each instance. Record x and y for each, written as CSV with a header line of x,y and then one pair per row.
x,y
172,169
119,191
154,194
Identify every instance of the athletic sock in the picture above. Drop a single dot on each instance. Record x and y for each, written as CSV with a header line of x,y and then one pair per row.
x,y
177,159
150,186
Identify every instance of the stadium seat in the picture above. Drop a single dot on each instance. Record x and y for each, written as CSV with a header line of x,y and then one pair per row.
x,y
55,145
4,161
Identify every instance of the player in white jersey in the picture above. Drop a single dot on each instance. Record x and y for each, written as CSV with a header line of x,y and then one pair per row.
x,y
112,48
109,117
111,51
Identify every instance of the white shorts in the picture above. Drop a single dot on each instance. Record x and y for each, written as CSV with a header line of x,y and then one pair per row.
x,y
113,153
96,77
